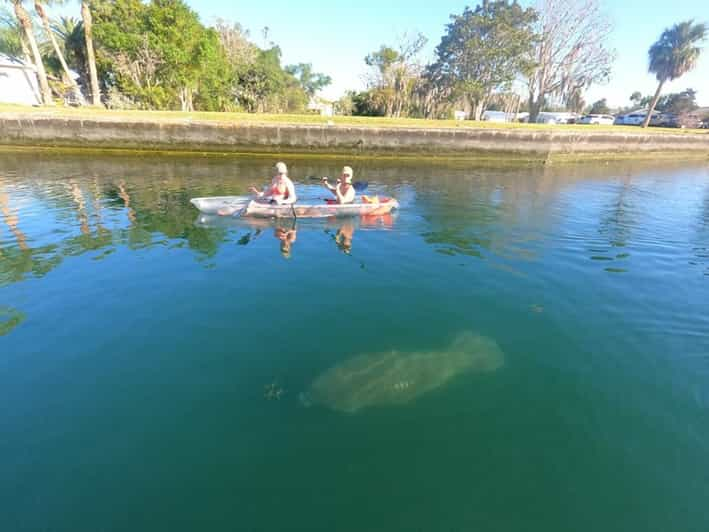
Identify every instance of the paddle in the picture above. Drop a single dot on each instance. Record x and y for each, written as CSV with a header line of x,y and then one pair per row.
x,y
359,186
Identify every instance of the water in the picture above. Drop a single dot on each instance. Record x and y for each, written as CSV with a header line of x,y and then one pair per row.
x,y
155,371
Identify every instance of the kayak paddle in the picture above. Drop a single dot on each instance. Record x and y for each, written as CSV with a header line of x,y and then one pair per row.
x,y
359,186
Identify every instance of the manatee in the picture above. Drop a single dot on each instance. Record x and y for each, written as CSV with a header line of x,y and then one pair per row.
x,y
397,378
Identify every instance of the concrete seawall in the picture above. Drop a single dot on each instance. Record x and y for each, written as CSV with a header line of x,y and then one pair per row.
x,y
17,129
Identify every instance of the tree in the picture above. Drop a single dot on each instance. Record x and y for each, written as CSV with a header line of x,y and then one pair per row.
x,y
42,14
70,33
12,42
25,23
310,81
571,53
576,102
183,44
674,54
485,49
678,103
394,74
87,22
636,98
264,86
367,103
159,55
600,107
235,42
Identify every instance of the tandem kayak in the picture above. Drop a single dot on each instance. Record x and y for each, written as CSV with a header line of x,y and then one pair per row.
x,y
246,206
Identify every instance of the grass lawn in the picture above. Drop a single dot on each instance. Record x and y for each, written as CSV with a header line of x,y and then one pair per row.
x,y
316,119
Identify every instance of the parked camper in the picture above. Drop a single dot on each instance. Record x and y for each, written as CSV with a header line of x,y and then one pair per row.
x,y
18,82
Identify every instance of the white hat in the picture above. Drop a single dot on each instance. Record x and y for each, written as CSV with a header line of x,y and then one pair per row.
x,y
347,172
281,168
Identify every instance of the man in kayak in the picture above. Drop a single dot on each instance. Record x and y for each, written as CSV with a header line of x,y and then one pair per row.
x,y
281,190
344,191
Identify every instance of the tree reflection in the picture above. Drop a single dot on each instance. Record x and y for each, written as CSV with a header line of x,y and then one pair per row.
x,y
9,319
11,218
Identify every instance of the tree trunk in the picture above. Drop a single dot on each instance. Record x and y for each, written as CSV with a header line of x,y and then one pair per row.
x,y
26,24
39,8
90,56
25,49
535,106
186,99
653,104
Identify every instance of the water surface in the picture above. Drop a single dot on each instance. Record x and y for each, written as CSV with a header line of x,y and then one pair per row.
x,y
153,363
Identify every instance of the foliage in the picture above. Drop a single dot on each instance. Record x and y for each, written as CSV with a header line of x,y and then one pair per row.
x,y
160,56
311,82
600,107
367,103
10,35
675,53
678,102
235,43
394,76
345,105
484,50
265,87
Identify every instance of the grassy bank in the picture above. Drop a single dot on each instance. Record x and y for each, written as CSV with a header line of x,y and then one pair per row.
x,y
363,121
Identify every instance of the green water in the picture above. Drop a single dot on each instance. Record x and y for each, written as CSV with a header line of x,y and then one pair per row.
x,y
157,370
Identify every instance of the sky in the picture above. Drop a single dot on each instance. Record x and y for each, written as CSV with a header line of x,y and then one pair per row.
x,y
335,36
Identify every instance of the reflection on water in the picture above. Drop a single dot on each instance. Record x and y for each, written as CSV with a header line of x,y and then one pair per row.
x,y
9,319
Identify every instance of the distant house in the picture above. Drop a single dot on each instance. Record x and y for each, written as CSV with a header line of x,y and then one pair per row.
x,y
321,106
18,82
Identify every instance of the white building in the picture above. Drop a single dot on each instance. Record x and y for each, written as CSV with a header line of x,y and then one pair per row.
x,y
18,82
323,107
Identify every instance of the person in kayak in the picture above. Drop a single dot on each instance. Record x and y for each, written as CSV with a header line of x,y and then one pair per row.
x,y
343,191
281,190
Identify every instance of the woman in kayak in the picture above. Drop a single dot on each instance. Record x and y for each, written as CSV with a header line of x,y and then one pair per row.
x,y
344,191
281,189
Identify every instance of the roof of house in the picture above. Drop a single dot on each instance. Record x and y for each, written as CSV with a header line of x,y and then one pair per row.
x,y
7,61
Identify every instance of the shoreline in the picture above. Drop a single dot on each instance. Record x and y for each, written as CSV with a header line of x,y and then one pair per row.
x,y
122,133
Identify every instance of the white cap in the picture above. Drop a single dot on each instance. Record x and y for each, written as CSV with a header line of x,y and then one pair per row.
x,y
281,168
347,172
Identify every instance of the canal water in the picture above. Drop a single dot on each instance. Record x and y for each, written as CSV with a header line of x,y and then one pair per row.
x,y
517,348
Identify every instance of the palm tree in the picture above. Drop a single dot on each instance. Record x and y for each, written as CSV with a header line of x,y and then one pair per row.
x,y
90,56
26,24
674,54
39,8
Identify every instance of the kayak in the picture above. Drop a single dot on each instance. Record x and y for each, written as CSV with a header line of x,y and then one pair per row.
x,y
214,204
245,206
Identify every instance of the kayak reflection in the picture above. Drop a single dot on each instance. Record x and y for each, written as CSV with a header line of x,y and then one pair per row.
x,y
340,230
342,236
286,237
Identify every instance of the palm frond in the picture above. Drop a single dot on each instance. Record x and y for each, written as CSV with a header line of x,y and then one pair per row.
x,y
677,50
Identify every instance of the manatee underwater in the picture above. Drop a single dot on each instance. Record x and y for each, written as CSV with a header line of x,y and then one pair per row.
x,y
396,378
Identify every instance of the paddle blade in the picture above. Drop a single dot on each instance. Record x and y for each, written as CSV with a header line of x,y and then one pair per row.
x,y
360,186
